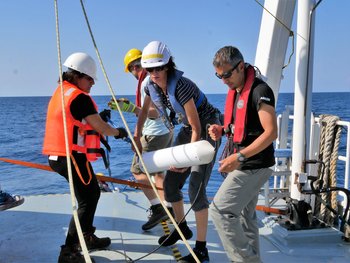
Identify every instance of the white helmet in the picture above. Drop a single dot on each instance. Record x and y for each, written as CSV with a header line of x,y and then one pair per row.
x,y
155,54
82,63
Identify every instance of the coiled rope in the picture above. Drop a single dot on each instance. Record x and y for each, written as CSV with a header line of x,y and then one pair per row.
x,y
328,154
69,167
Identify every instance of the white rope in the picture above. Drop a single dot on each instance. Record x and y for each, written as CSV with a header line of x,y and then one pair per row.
x,y
132,140
69,167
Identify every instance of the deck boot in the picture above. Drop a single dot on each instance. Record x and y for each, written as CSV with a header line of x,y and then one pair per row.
x,y
157,215
71,255
202,255
174,236
93,242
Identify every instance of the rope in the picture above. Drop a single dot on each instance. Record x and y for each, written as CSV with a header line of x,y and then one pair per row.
x,y
174,248
328,154
69,168
131,137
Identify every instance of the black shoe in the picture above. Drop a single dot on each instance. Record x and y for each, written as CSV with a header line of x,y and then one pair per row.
x,y
174,236
157,215
202,255
71,255
94,242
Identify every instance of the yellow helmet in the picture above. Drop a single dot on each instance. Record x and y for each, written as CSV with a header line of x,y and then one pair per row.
x,y
132,55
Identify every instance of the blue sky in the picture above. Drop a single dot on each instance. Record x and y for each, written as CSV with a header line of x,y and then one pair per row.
x,y
193,30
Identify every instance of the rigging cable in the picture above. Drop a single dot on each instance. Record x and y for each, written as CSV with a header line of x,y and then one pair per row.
x,y
131,137
69,167
291,33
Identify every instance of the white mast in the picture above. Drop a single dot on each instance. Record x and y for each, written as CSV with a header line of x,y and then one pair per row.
x,y
303,90
273,40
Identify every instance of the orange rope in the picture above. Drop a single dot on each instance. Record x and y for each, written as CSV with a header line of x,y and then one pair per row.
x,y
79,173
271,210
100,177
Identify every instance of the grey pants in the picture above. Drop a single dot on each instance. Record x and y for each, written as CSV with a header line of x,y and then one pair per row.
x,y
233,213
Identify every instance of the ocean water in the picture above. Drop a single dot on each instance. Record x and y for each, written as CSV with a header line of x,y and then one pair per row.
x,y
22,129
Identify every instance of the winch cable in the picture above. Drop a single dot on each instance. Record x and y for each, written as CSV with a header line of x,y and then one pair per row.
x,y
131,137
69,167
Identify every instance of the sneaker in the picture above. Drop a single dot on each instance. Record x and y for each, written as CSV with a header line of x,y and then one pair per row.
x,y
202,255
8,201
157,215
71,255
94,242
174,236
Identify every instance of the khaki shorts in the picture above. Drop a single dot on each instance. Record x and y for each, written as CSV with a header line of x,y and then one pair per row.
x,y
151,143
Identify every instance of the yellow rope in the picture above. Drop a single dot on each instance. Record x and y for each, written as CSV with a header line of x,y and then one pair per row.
x,y
69,168
174,248
131,137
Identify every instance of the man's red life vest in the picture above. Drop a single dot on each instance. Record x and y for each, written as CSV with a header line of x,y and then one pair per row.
x,y
142,76
86,139
241,108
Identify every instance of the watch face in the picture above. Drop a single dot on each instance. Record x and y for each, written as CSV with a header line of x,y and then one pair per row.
x,y
241,158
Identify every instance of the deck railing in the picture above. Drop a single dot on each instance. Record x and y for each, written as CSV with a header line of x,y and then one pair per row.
x,y
278,187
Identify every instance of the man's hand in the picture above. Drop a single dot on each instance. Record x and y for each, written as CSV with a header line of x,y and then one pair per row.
x,y
229,164
215,132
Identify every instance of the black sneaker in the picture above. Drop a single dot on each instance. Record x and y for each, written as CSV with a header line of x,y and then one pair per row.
x,y
157,215
174,236
202,255
8,201
94,242
71,255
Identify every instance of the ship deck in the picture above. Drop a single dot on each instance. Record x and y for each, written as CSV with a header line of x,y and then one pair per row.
x,y
34,231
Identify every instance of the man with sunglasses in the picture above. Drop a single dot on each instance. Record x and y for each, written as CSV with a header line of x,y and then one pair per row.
x,y
168,89
250,126
155,136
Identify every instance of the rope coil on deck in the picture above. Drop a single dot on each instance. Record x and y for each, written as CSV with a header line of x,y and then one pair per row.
x,y
328,154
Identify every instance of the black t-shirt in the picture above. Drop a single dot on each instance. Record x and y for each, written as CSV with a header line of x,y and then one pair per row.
x,y
260,93
82,106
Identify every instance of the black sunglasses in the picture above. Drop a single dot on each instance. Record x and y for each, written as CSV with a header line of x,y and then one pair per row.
x,y
227,74
133,66
156,69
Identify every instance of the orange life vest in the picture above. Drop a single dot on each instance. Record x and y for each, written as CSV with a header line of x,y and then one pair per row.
x,y
81,136
241,108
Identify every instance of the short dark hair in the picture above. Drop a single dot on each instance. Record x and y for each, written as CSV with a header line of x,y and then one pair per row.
x,y
71,76
227,55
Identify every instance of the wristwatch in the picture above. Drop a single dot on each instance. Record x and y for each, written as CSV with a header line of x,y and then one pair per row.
x,y
241,158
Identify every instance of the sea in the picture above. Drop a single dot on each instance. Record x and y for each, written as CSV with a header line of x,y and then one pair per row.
x,y
22,125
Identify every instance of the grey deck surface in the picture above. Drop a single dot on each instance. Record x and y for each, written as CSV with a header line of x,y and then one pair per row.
x,y
34,231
